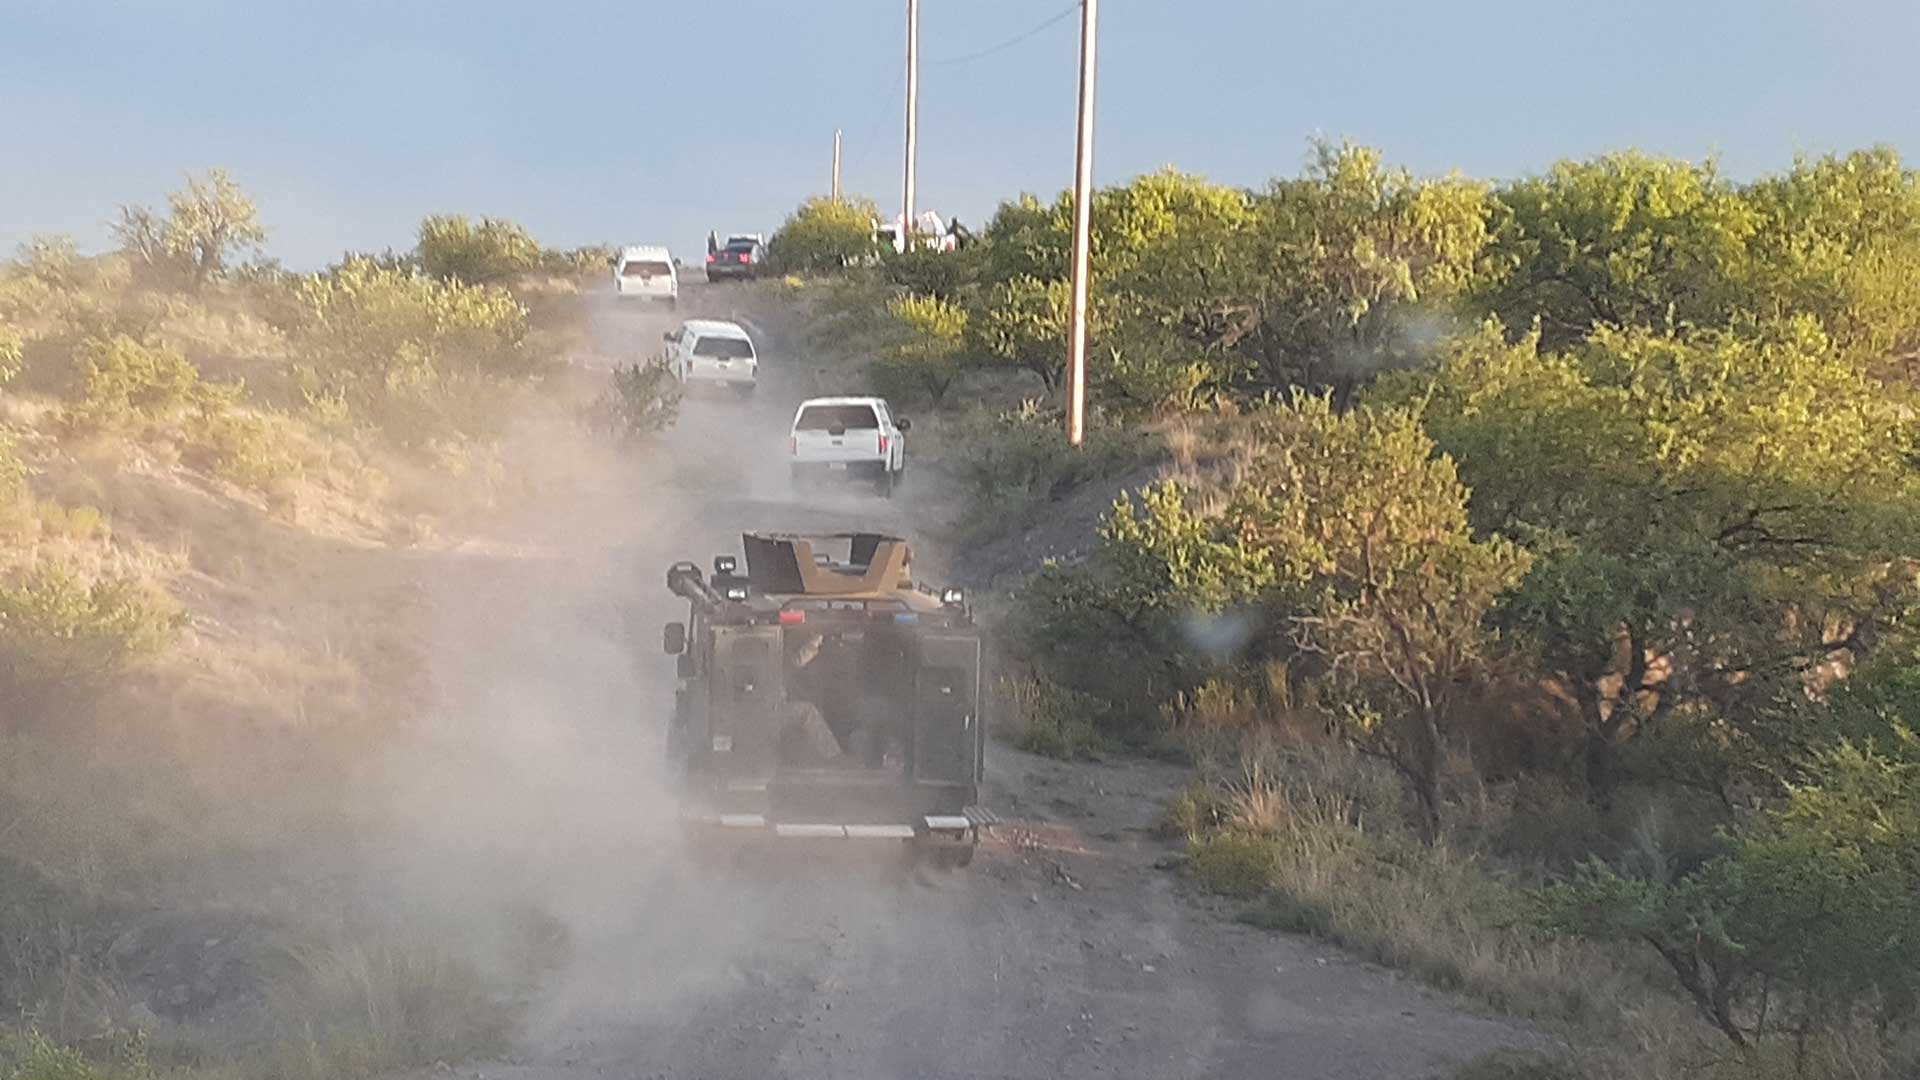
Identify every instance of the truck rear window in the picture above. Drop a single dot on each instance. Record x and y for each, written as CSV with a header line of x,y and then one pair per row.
x,y
645,269
723,348
829,417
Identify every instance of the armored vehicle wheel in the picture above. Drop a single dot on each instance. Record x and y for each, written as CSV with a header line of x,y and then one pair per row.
x,y
948,854
954,856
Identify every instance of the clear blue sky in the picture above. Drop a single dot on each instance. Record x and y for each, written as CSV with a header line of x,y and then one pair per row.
x,y
646,120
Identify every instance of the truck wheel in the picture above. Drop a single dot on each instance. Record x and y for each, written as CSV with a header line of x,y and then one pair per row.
x,y
885,484
951,856
744,390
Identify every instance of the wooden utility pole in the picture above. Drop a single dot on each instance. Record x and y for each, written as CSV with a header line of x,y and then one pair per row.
x,y
836,166
913,119
1082,230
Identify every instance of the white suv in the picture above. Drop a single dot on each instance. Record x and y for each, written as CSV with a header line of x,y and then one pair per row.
x,y
713,353
646,273
848,437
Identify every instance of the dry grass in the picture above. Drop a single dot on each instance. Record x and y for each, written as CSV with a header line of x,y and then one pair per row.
x,y
380,1000
1314,839
216,781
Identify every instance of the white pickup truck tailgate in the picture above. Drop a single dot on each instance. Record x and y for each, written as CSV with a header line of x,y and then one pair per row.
x,y
853,445
837,432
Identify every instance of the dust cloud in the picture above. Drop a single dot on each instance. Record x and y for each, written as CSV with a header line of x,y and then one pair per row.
x,y
536,792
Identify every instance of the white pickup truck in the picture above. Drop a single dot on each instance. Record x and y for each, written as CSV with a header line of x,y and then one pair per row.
x,y
709,352
848,437
647,273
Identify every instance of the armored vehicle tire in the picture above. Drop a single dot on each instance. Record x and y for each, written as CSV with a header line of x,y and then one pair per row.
x,y
951,856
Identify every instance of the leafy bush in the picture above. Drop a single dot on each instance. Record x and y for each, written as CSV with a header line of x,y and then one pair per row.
x,y
63,640
10,353
1008,468
578,262
129,386
824,235
489,251
16,501
1118,625
33,1056
1054,721
1345,539
1239,865
253,450
643,400
924,355
1811,921
415,357
78,523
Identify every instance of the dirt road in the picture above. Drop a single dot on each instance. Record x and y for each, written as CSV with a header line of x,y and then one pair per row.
x,y
1062,952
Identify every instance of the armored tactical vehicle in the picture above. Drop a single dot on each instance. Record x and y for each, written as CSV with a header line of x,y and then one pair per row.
x,y
823,694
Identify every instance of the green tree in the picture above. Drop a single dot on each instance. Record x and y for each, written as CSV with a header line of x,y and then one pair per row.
x,y
1345,543
926,351
1023,324
1621,240
1170,277
489,251
210,222
1716,514
1029,238
1390,590
1809,919
1361,267
1839,239
825,236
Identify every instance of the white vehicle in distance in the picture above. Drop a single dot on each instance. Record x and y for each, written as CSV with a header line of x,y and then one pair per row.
x,y
848,438
708,352
647,273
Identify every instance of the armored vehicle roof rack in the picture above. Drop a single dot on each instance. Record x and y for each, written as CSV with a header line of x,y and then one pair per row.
x,y
784,563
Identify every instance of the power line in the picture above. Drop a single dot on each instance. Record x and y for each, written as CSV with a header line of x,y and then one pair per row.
x,y
863,148
1007,44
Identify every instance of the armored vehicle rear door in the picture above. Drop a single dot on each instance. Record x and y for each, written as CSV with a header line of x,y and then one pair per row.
x,y
946,710
744,715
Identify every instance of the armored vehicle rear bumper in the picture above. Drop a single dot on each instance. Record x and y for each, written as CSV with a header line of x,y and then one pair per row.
x,y
836,803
